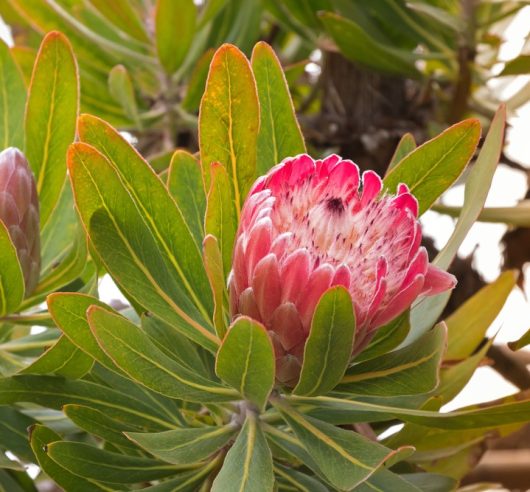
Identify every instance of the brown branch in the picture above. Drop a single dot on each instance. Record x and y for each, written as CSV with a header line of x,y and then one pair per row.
x,y
510,366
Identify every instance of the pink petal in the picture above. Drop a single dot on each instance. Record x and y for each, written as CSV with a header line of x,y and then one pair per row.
x,y
280,244
437,281
239,267
372,186
343,178
418,266
406,201
294,274
402,188
247,305
326,166
342,276
287,325
379,291
267,286
259,243
400,302
318,282
302,166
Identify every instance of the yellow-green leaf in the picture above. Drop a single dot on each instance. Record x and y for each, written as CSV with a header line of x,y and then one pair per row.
x,y
11,279
51,116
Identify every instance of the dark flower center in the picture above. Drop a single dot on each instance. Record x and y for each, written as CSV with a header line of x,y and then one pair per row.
x,y
335,206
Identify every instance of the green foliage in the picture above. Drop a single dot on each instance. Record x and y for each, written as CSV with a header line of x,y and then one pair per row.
x,y
169,393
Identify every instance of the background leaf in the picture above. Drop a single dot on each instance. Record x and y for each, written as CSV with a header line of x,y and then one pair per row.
x,y
11,280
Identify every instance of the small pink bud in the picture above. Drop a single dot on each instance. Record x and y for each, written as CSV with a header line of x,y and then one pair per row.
x,y
308,225
19,211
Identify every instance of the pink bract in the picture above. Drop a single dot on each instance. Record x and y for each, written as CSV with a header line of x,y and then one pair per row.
x,y
309,225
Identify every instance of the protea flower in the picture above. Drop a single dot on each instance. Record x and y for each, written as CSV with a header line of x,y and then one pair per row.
x,y
308,225
19,211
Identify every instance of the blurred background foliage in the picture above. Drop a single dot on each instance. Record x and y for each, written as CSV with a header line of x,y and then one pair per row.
x,y
361,73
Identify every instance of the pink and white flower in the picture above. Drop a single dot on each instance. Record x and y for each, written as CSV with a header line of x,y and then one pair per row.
x,y
309,225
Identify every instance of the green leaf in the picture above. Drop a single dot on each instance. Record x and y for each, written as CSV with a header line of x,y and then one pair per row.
x,y
221,218
521,343
51,115
229,121
98,464
301,481
184,446
213,263
279,133
346,411
173,343
517,66
11,279
405,146
387,338
101,425
123,15
139,357
467,326
164,219
174,31
246,360
12,101
187,481
122,90
357,45
477,187
54,392
197,81
248,464
63,359
384,480
434,166
69,313
40,437
346,458
186,187
329,346
410,370
517,215
13,433
137,253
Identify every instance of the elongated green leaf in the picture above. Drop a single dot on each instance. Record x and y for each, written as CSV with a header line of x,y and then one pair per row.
x,y
346,411
518,215
54,392
410,370
164,219
517,66
173,343
434,166
51,118
122,90
477,186
12,101
279,133
301,481
229,121
123,15
387,338
11,279
136,255
174,31
329,346
213,262
139,357
64,359
97,423
69,313
246,360
13,432
98,464
384,480
467,326
185,481
405,146
357,45
522,342
221,218
248,464
346,458
185,185
40,438
184,446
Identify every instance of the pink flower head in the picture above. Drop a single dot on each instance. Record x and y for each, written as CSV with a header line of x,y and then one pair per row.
x,y
308,225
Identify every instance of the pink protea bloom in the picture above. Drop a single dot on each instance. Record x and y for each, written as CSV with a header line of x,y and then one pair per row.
x,y
308,225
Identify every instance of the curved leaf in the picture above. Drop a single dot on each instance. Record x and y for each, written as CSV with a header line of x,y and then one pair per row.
x,y
11,279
